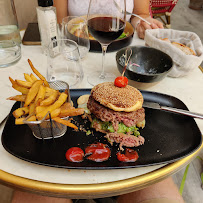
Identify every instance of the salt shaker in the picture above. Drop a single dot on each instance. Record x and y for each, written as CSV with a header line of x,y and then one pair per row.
x,y
47,22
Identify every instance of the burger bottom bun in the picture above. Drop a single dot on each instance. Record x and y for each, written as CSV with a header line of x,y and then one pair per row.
x,y
137,106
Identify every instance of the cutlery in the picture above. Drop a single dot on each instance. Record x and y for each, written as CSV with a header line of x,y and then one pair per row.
x,y
128,13
154,105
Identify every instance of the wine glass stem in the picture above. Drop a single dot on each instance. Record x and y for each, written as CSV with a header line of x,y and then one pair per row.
x,y
104,48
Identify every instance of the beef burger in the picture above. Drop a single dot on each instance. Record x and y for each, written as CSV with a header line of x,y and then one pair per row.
x,y
118,113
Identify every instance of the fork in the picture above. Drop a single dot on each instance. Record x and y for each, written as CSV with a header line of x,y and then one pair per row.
x,y
128,13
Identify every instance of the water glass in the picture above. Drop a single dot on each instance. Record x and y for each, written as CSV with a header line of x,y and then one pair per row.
x,y
75,28
64,62
10,53
9,34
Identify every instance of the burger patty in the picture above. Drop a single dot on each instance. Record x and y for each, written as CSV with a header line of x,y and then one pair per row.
x,y
125,140
106,114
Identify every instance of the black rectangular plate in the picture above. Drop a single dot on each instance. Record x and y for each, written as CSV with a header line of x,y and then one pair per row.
x,y
168,137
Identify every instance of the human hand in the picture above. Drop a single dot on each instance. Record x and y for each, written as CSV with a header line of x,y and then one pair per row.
x,y
142,26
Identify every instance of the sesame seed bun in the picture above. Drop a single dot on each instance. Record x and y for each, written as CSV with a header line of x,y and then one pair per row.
x,y
119,99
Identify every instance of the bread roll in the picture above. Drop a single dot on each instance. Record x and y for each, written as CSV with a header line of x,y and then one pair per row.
x,y
184,48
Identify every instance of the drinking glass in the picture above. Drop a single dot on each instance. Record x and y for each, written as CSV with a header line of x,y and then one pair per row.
x,y
105,23
10,53
10,40
64,62
75,28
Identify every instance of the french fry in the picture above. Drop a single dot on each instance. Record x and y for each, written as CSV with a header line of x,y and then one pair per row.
x,y
28,78
71,112
38,74
49,91
67,105
19,121
20,112
50,100
31,108
39,98
40,94
18,98
65,122
32,118
66,91
23,90
54,113
33,77
24,83
39,109
62,98
38,102
33,92
13,82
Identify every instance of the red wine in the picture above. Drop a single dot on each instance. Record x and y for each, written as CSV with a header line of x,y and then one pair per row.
x,y
105,29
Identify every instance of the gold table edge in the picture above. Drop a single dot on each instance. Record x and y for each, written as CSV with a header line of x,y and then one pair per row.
x,y
95,190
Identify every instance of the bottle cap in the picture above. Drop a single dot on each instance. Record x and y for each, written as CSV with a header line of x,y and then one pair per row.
x,y
45,3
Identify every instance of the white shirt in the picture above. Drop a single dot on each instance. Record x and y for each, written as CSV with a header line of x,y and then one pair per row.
x,y
80,7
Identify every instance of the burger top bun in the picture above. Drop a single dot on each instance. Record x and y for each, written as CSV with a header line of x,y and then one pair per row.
x,y
118,98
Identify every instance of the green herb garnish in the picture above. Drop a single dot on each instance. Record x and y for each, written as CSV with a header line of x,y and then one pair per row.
x,y
88,132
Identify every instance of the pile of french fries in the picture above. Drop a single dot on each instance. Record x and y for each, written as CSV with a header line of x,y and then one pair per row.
x,y
39,99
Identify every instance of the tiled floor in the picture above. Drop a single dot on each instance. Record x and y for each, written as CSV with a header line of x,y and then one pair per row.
x,y
182,18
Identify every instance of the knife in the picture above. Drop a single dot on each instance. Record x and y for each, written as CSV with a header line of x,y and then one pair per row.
x,y
154,105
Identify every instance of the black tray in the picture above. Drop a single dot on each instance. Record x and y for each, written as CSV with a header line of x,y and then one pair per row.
x,y
168,137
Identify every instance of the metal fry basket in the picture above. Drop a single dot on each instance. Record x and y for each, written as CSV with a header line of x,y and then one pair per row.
x,y
48,128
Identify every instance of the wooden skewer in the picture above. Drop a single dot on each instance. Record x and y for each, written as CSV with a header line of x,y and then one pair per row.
x,y
126,60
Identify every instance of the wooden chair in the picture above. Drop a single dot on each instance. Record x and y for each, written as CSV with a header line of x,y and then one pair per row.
x,y
162,8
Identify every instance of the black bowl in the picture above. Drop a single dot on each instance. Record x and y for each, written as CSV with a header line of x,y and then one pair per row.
x,y
153,64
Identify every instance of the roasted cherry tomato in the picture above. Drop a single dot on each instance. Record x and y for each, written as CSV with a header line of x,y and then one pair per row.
x,y
129,156
98,152
121,81
75,154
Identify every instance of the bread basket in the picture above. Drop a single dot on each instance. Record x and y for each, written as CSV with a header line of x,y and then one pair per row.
x,y
183,63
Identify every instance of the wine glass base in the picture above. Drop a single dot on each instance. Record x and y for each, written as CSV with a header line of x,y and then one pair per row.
x,y
95,78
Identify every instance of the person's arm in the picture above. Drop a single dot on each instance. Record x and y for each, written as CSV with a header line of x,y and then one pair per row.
x,y
61,9
141,7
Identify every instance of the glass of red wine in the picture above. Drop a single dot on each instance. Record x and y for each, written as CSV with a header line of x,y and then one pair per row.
x,y
105,23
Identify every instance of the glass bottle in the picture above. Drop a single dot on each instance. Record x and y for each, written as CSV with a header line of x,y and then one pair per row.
x,y
47,22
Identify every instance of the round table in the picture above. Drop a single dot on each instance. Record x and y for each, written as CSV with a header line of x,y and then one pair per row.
x,y
81,184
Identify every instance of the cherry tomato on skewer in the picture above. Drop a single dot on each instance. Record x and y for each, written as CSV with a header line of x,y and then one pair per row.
x,y
121,81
